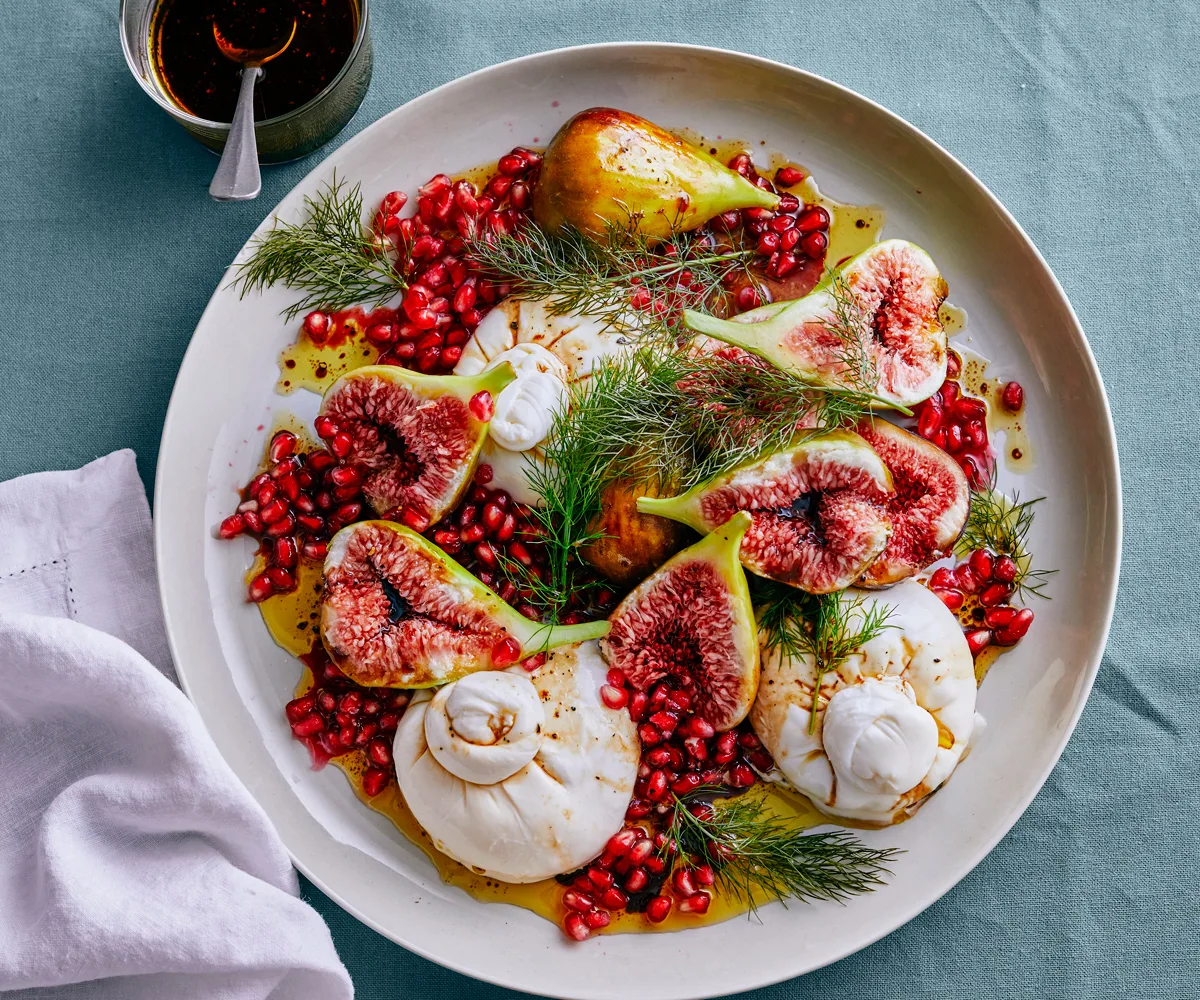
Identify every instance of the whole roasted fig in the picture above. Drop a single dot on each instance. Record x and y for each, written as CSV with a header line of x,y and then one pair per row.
x,y
398,612
890,294
692,620
817,523
606,166
632,543
928,509
416,437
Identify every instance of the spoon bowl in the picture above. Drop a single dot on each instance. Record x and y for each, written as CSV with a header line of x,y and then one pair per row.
x,y
237,177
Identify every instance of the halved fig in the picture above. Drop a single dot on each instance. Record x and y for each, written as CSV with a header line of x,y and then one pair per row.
x,y
928,509
416,437
692,620
398,612
816,525
896,291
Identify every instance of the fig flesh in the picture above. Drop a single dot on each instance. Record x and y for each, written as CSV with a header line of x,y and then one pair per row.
x,y
896,291
398,612
928,509
817,523
632,544
414,437
692,620
607,167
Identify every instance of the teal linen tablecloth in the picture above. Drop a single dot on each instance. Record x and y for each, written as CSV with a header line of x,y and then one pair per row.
x,y
1083,117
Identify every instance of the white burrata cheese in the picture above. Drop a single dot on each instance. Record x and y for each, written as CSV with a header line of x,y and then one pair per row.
x,y
893,721
519,776
549,352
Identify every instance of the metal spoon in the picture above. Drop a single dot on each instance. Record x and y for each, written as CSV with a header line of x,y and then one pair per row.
x,y
237,177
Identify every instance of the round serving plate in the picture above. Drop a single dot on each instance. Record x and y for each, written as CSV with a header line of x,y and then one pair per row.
x,y
224,405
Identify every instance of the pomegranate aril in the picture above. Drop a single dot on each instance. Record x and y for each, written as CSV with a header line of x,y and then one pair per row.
x,y
740,776
683,883
953,599
978,639
982,563
768,243
613,899
996,593
597,919
696,903
600,879
999,617
285,552
375,780
575,927
284,527
340,444
506,651
327,702
1013,397
614,697
965,579
812,220
1016,629
1006,569
380,752
298,708
577,901
640,851
658,909
310,725
638,705
282,445
232,526
512,165
636,880
316,325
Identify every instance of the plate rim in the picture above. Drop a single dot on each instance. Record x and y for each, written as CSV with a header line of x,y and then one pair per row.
x,y
1115,518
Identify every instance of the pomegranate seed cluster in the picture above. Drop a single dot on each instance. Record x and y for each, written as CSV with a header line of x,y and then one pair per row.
x,y
639,872
642,871
499,541
990,579
785,238
337,717
294,508
446,297
957,423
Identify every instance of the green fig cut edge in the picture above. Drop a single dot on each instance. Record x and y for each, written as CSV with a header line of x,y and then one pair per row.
x,y
463,386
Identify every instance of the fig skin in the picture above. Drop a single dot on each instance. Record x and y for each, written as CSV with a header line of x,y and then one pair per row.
x,y
633,543
816,524
929,508
607,166
396,611
896,284
656,628
379,405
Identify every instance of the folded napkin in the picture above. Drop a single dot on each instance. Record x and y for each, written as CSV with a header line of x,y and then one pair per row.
x,y
133,863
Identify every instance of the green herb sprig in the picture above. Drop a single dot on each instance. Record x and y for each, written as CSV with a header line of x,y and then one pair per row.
x,y
330,256
620,277
1002,524
756,853
827,627
670,419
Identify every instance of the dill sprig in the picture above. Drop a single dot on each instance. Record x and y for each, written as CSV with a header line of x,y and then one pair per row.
x,y
1002,524
670,419
757,854
330,256
827,627
849,323
620,278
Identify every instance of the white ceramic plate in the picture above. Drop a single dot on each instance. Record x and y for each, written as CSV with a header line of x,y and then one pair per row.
x,y
1019,317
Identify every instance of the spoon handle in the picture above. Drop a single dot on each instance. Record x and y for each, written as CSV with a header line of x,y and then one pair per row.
x,y
237,177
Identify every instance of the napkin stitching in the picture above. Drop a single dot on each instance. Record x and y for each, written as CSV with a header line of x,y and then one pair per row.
x,y
30,569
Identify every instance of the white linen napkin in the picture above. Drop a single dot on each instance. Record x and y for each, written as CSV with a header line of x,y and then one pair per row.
x,y
133,863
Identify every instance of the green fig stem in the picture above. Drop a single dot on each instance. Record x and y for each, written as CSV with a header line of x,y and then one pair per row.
x,y
725,330
492,380
543,637
729,332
